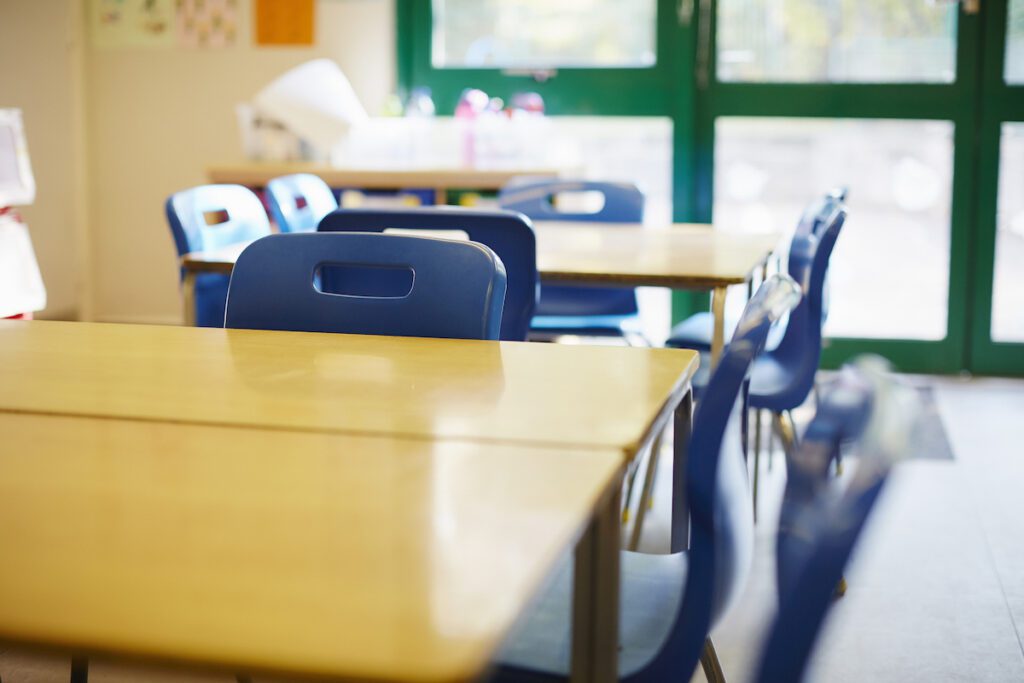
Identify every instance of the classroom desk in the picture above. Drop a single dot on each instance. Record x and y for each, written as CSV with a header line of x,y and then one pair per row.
x,y
514,392
439,179
552,398
293,553
680,256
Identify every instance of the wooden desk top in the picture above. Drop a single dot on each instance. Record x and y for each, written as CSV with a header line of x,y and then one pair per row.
x,y
258,174
265,551
685,255
528,393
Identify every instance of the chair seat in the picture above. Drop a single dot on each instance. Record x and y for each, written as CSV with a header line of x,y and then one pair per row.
x,y
539,646
694,333
768,379
586,325
769,382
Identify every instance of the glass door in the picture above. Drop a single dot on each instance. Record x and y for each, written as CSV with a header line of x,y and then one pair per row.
x,y
798,96
998,329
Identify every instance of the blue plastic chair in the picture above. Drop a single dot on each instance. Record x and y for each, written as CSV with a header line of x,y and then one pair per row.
x,y
695,332
818,528
783,377
669,603
299,202
211,217
572,309
509,234
452,289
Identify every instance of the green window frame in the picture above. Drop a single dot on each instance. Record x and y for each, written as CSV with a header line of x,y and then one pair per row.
x,y
682,85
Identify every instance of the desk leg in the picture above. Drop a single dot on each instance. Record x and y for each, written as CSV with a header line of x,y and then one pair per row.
x,y
681,447
79,670
188,297
595,610
718,312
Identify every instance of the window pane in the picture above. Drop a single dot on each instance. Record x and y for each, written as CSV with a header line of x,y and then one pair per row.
x,y
524,34
1014,69
889,274
835,41
1008,283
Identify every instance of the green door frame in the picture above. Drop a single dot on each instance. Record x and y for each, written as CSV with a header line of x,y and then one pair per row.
x,y
954,102
674,88
999,103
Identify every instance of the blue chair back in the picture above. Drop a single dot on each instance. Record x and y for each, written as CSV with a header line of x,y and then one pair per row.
x,y
799,351
509,234
454,289
818,528
209,217
816,216
721,514
623,203
299,202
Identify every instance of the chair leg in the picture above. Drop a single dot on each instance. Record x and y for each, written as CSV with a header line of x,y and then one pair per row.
x,y
785,428
646,497
757,459
709,662
79,670
627,496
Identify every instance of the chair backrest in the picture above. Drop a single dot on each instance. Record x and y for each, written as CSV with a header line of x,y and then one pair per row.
x,y
721,514
299,202
799,351
818,527
816,216
623,202
509,234
214,216
453,289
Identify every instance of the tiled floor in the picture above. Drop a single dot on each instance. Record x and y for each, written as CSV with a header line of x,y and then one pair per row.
x,y
936,589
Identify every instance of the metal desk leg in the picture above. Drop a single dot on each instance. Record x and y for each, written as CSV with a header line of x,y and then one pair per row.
x,y
680,445
188,296
718,312
595,610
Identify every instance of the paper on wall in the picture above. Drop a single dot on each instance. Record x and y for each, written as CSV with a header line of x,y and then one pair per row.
x,y
285,22
131,23
315,101
207,23
21,285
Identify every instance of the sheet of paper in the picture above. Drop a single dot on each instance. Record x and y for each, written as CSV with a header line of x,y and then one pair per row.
x,y
315,101
131,23
285,22
21,285
17,184
207,23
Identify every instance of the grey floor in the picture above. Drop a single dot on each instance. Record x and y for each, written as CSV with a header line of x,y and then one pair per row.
x,y
936,590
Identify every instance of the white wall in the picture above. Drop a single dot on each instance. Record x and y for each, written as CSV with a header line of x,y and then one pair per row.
x,y
40,59
159,117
